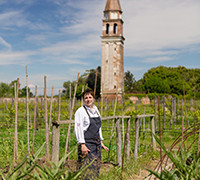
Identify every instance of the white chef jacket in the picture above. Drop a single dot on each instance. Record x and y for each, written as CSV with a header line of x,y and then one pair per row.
x,y
82,122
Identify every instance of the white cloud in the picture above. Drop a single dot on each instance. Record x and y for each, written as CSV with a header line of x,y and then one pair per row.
x,y
21,58
157,25
87,19
158,59
71,52
13,18
5,44
150,27
155,30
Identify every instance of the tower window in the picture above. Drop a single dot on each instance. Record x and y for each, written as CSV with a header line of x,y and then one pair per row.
x,y
115,74
107,28
114,86
115,29
106,61
106,15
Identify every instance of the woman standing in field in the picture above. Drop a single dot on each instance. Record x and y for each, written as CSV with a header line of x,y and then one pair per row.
x,y
89,136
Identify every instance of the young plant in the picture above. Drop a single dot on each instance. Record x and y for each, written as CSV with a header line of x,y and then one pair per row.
x,y
186,165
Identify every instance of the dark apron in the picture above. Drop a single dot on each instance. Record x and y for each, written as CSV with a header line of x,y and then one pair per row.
x,y
93,143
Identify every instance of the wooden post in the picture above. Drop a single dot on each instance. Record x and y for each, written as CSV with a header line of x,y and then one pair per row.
x,y
46,118
16,107
128,138
123,132
69,127
155,109
82,96
102,102
70,99
137,123
27,109
118,131
50,110
55,142
186,120
95,84
144,128
181,107
164,112
140,125
37,115
153,133
160,130
41,106
59,105
34,120
175,111
123,158
171,118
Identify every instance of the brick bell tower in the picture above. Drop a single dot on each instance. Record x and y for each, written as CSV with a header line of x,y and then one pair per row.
x,y
112,62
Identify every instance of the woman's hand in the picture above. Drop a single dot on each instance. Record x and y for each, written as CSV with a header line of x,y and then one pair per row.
x,y
103,146
84,150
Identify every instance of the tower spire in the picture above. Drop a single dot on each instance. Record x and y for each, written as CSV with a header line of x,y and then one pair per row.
x,y
113,5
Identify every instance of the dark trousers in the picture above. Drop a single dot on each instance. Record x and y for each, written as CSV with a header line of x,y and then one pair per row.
x,y
92,172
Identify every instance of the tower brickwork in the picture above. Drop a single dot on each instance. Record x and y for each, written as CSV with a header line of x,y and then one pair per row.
x,y
112,41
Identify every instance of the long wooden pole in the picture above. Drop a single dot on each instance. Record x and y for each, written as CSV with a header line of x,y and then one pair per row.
x,y
102,100
185,104
16,107
159,130
27,110
34,120
71,112
118,142
95,84
46,118
70,98
82,96
56,135
59,105
50,110
123,156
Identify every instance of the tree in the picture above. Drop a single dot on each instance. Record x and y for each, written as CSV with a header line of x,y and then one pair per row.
x,y
88,78
91,80
129,82
156,85
22,92
4,90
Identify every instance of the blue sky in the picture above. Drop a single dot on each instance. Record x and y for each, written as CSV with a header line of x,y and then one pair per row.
x,y
59,38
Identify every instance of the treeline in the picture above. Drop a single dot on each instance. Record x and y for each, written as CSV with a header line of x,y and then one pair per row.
x,y
87,80
167,80
7,90
175,81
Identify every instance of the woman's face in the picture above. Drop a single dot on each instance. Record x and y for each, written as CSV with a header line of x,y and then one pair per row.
x,y
88,100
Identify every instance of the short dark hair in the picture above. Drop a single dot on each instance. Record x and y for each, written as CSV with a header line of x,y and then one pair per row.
x,y
88,91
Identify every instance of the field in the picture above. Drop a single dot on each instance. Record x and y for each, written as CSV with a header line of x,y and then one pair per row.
x,y
170,114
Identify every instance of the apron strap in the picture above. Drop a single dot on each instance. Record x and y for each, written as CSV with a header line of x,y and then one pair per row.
x,y
86,111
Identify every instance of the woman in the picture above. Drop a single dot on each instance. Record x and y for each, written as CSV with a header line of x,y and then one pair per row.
x,y
89,136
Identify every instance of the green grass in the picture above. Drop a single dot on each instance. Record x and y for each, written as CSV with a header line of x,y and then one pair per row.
x,y
7,135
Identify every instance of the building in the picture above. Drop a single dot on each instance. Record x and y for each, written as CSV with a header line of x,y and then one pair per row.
x,y
112,62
